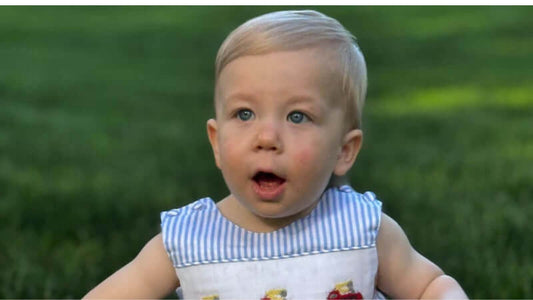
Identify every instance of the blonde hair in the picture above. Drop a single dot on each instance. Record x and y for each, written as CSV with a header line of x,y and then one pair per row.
x,y
294,30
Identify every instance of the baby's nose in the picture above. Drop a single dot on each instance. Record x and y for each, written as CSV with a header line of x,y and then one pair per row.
x,y
268,138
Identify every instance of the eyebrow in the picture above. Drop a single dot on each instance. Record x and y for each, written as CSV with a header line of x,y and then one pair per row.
x,y
305,99
240,96
301,98
292,100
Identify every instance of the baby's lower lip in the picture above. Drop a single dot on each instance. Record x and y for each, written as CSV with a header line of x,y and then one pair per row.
x,y
268,190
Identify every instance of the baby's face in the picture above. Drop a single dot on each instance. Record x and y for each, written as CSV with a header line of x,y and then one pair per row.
x,y
278,132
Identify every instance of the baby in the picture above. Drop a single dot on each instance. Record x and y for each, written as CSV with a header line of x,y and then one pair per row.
x,y
289,94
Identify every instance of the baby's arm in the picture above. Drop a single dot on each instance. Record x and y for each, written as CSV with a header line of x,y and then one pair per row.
x,y
404,273
149,275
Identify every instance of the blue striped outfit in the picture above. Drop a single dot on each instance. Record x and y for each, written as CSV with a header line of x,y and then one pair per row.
x,y
341,231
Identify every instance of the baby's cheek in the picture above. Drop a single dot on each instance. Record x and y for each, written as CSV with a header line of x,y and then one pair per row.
x,y
229,152
305,157
312,167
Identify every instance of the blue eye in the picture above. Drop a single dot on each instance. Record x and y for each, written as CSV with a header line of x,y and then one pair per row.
x,y
245,114
297,117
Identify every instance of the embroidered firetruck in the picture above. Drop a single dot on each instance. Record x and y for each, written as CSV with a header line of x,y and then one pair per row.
x,y
344,290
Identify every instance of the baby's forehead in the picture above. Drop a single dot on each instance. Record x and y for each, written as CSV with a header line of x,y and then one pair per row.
x,y
321,65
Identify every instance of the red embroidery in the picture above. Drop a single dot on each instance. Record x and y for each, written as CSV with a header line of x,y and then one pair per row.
x,y
337,295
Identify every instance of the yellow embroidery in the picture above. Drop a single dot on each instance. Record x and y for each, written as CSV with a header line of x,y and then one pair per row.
x,y
345,287
275,294
211,297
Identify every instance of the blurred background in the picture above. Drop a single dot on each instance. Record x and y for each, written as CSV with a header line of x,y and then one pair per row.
x,y
102,126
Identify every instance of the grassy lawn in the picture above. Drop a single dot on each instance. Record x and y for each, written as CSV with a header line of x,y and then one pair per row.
x,y
102,126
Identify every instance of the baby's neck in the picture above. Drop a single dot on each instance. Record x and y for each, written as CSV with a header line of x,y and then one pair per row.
x,y
239,215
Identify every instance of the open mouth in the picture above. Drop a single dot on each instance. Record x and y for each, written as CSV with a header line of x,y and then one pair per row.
x,y
268,185
265,179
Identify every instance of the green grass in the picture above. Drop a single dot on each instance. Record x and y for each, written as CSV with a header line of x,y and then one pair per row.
x,y
102,126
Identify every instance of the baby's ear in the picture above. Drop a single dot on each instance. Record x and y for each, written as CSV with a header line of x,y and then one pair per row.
x,y
351,145
212,132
